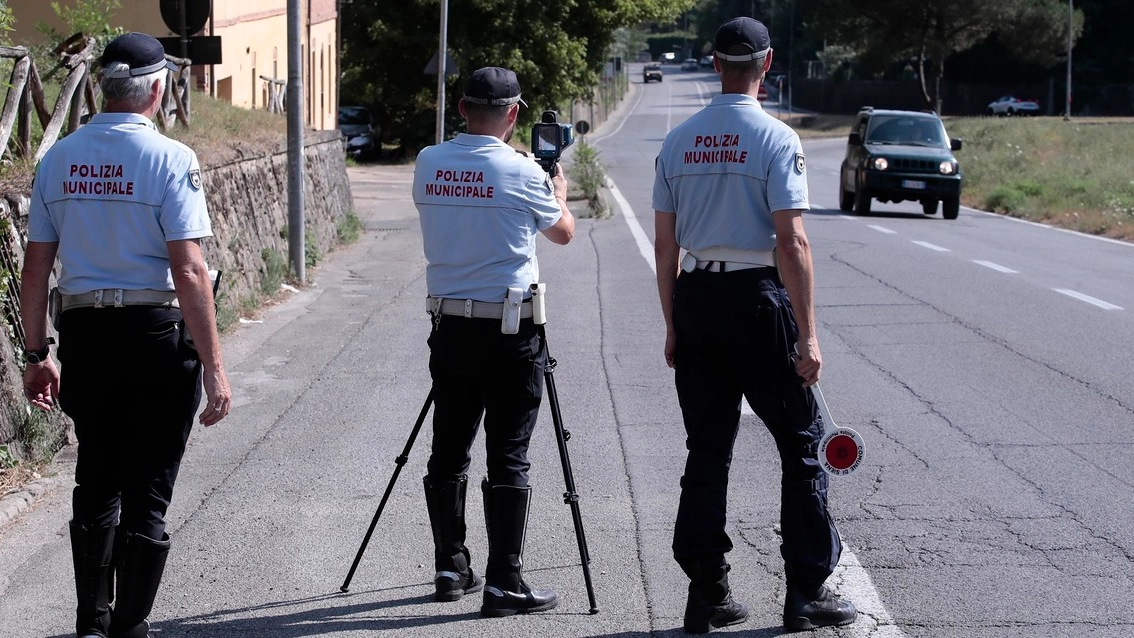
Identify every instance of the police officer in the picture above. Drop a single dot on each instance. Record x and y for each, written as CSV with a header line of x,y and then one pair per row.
x,y
481,205
122,208
730,186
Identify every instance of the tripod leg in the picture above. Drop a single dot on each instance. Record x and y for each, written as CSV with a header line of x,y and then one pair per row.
x,y
401,461
570,497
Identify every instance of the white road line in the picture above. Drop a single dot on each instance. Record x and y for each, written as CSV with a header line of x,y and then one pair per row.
x,y
996,267
852,217
883,229
930,246
850,578
644,245
1117,242
1091,300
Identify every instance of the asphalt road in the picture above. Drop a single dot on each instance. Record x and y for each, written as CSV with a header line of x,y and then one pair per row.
x,y
994,500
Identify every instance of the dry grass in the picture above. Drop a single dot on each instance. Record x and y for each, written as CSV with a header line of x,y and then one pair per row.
x,y
221,133
14,478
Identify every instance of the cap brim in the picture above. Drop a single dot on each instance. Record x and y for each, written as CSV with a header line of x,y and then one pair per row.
x,y
747,57
143,70
504,101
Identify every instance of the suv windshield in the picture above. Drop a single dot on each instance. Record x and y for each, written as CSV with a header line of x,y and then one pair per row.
x,y
354,115
913,131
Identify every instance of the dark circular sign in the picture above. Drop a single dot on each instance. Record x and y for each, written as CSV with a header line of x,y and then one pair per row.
x,y
196,14
582,126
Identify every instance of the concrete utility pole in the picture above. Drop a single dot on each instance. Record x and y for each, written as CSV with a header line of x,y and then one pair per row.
x,y
1070,23
442,70
295,220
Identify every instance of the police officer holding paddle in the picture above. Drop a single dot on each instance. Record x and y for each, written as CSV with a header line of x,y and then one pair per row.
x,y
730,187
481,206
122,208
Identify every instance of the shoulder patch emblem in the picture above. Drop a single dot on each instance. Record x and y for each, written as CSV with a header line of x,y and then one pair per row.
x,y
195,178
800,163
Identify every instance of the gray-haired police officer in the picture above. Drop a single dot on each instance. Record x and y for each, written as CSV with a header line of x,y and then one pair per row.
x,y
730,187
122,208
481,206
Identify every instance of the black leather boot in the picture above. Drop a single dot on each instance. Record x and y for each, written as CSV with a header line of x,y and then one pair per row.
x,y
445,501
710,602
92,550
506,593
140,568
814,608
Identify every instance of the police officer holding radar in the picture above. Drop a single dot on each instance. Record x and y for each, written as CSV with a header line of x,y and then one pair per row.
x,y
481,206
731,186
122,208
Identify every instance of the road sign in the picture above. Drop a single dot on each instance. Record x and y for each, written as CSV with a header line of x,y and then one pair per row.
x,y
196,15
202,49
582,127
451,69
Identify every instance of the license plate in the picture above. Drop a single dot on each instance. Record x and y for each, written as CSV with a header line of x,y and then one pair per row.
x,y
910,183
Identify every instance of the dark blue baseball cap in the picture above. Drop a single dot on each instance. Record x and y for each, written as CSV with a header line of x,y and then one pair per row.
x,y
493,86
742,39
141,52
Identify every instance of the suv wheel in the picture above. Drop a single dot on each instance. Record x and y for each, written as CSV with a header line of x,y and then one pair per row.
x,y
846,200
951,207
929,206
861,201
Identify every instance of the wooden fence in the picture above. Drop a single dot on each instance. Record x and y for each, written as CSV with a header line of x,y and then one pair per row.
x,y
78,97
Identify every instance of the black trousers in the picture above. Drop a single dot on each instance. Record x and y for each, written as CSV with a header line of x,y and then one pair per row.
x,y
478,370
735,332
132,388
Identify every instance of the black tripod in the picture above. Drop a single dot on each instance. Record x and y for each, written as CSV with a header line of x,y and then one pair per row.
x,y
570,497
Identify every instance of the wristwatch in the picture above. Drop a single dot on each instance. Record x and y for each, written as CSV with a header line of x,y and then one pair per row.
x,y
36,357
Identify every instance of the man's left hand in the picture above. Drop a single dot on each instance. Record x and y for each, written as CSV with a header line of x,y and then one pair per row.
x,y
41,385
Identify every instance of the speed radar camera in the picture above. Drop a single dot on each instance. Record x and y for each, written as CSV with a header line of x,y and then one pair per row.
x,y
549,139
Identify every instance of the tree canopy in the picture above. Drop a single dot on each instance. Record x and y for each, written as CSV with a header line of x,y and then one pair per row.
x,y
557,49
930,31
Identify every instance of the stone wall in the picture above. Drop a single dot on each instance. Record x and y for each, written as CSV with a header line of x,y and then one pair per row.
x,y
248,206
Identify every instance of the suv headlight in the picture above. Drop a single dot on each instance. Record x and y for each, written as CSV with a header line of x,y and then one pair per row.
x,y
880,163
948,167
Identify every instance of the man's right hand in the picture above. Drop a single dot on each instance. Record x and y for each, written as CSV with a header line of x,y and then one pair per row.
x,y
219,397
559,183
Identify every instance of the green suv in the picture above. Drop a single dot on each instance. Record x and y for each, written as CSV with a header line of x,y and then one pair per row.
x,y
894,156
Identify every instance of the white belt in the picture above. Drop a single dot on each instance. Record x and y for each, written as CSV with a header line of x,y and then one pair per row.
x,y
119,297
751,260
472,309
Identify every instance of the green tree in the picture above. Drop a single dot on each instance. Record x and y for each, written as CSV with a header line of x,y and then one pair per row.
x,y
556,48
884,31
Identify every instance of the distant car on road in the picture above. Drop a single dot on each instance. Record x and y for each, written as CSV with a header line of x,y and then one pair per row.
x,y
669,57
690,64
762,94
652,71
893,156
707,61
1010,105
360,140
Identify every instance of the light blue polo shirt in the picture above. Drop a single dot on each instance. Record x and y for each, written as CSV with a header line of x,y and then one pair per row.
x,y
112,194
481,205
724,171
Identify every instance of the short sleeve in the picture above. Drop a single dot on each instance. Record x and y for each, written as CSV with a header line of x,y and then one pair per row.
x,y
40,226
184,212
787,177
542,203
662,195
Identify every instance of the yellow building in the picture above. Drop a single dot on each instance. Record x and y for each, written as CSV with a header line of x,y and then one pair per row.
x,y
253,43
